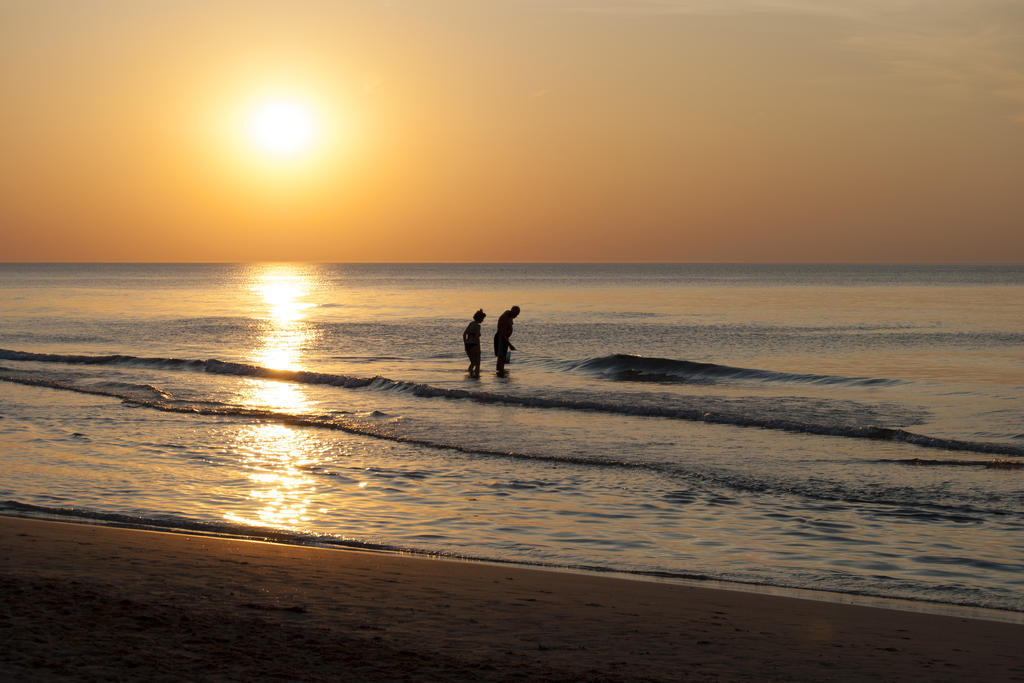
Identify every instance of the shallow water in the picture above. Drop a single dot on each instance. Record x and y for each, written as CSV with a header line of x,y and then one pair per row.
x,y
857,429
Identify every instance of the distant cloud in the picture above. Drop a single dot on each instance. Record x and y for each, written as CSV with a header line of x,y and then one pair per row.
x,y
696,7
955,49
961,50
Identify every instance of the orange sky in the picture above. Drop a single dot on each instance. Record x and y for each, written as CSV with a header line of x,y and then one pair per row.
x,y
515,130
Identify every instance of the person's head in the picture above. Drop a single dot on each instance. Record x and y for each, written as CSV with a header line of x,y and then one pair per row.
x,y
515,311
479,315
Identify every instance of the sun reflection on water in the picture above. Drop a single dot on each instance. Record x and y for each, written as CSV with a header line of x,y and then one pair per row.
x,y
282,304
283,292
275,395
277,457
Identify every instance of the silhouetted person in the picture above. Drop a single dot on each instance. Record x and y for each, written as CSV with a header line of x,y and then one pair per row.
x,y
471,338
502,345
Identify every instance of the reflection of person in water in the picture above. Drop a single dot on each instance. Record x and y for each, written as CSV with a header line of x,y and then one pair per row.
x,y
471,338
502,345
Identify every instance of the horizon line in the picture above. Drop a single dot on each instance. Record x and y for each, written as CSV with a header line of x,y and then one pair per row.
x,y
596,263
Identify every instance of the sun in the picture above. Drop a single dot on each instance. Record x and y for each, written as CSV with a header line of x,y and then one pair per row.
x,y
282,128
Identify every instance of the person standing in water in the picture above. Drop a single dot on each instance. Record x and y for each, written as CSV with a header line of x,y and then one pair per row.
x,y
471,338
502,345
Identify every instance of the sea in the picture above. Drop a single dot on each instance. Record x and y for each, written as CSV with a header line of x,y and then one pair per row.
x,y
841,430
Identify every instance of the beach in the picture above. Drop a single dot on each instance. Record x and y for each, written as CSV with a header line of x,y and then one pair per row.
x,y
87,602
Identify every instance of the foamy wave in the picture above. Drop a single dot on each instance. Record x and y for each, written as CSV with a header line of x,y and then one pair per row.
x,y
713,410
142,390
190,526
286,536
980,464
348,423
115,359
625,367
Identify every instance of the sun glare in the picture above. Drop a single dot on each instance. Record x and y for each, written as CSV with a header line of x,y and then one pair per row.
x,y
282,128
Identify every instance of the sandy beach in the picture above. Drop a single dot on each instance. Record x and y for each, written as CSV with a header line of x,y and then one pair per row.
x,y
86,602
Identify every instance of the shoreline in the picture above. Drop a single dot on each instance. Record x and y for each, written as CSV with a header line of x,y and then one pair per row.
x,y
85,601
863,600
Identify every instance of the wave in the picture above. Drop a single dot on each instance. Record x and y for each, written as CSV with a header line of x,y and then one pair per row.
x,y
836,418
339,422
114,359
367,425
616,366
144,390
984,464
625,367
370,425
191,526
290,537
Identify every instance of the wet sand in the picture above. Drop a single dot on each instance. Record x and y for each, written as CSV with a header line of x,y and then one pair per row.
x,y
83,602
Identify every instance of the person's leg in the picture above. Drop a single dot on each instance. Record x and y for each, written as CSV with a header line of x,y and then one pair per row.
x,y
502,348
499,354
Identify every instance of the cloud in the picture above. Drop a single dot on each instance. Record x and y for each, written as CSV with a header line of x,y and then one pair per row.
x,y
953,50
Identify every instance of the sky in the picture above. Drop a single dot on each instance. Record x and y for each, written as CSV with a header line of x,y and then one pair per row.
x,y
512,130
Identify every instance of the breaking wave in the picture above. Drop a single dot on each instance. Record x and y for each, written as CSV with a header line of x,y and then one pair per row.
x,y
848,419
625,367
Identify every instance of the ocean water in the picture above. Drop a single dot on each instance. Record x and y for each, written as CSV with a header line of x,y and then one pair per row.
x,y
847,429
